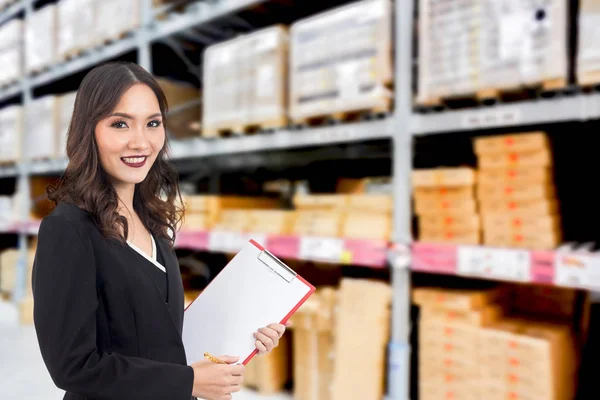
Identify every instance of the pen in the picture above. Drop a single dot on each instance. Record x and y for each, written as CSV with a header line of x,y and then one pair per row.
x,y
213,359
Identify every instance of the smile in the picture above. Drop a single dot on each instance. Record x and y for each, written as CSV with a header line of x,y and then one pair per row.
x,y
134,162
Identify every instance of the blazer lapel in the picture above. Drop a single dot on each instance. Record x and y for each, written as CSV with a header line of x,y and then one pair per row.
x,y
175,285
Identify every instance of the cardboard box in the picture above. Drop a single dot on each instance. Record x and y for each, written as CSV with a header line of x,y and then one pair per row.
x,y
318,223
314,338
529,208
470,238
443,177
371,202
512,143
440,194
77,26
269,373
177,94
480,317
362,333
517,191
532,240
434,224
530,159
521,225
511,176
456,299
446,208
364,225
341,60
321,201
11,51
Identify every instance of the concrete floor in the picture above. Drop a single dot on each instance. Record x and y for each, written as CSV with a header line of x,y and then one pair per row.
x,y
22,372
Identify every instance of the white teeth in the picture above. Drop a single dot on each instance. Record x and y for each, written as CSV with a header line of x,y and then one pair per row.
x,y
134,160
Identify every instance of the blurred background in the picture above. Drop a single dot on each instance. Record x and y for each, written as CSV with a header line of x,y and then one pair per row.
x,y
427,164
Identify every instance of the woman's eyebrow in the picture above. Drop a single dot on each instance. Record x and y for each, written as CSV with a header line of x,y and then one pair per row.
x,y
128,116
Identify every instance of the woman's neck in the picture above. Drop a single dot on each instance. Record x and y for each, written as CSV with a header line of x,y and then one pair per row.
x,y
125,194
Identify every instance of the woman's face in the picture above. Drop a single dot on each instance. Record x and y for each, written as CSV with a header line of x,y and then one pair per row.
x,y
130,138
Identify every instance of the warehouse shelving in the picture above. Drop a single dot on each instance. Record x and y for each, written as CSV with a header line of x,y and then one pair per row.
x,y
549,267
11,11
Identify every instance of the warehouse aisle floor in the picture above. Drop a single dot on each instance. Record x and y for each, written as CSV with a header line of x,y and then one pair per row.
x,y
22,372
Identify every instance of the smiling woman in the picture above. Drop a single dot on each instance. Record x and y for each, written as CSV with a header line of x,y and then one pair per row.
x,y
107,288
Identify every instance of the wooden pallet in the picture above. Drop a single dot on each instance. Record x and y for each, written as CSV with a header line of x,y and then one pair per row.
x,y
244,129
589,79
116,38
39,70
340,117
494,95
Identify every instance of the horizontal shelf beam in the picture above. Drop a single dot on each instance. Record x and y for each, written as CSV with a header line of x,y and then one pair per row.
x,y
278,140
564,267
579,107
198,14
283,139
11,11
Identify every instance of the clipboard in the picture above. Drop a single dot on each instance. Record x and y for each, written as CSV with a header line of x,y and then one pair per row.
x,y
254,290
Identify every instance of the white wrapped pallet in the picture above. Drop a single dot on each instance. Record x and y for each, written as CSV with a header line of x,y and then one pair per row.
x,y
11,51
341,61
448,48
65,105
40,128
116,17
77,26
588,54
245,82
524,43
41,37
479,47
11,123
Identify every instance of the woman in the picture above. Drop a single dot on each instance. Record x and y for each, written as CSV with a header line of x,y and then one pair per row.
x,y
106,282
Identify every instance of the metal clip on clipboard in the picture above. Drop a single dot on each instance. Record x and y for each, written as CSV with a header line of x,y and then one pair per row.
x,y
277,266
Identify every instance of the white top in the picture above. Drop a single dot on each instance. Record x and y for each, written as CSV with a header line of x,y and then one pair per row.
x,y
151,258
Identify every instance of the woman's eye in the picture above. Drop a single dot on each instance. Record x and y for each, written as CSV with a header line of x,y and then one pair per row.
x,y
119,125
154,123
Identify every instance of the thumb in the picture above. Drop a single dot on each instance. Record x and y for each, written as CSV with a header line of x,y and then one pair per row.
x,y
229,359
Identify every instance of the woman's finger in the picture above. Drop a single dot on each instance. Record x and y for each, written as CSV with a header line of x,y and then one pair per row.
x,y
271,334
279,328
261,347
265,340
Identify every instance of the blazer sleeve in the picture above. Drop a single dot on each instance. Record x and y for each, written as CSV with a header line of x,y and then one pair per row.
x,y
65,303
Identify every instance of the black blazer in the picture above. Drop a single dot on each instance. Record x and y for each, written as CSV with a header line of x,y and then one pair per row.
x,y
104,329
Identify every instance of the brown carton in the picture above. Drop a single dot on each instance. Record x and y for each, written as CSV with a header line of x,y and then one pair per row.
x,y
513,143
510,176
529,159
443,177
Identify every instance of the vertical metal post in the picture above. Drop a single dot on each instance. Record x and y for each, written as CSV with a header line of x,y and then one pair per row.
x,y
23,187
143,36
399,351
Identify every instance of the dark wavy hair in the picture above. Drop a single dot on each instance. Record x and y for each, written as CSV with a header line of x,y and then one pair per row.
x,y
157,199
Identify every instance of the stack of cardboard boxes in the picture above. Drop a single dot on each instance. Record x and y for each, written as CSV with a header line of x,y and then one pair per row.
x,y
319,214
515,191
8,279
588,54
313,328
445,205
340,341
469,348
232,213
449,341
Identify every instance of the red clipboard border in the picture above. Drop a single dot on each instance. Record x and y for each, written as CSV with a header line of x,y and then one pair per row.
x,y
292,311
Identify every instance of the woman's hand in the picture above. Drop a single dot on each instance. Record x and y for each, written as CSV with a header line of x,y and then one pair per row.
x,y
217,381
267,338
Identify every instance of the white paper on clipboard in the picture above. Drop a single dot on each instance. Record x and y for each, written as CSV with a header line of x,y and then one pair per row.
x,y
252,291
